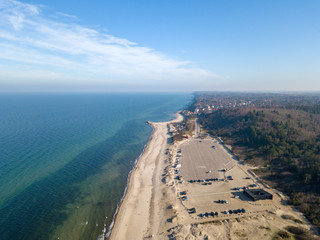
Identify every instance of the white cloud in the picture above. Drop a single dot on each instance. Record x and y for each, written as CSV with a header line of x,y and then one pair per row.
x,y
17,20
29,38
67,15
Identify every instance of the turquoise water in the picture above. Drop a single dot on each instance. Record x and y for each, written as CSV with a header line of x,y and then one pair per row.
x,y
65,158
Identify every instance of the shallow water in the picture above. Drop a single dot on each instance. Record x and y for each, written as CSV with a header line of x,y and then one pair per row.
x,y
64,159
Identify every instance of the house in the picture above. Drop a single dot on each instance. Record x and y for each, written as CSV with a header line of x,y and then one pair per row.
x,y
258,194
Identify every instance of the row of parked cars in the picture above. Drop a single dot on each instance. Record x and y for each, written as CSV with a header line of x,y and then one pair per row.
x,y
208,214
212,214
242,210
205,180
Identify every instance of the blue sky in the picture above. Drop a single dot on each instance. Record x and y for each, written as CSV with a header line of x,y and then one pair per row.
x,y
169,45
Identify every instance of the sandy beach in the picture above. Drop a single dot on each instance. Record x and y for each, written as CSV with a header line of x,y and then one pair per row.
x,y
163,200
139,214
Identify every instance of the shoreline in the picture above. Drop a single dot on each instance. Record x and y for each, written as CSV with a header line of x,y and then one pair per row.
x,y
154,205
107,235
126,211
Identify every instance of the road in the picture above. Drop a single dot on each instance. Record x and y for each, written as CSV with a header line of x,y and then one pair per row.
x,y
197,128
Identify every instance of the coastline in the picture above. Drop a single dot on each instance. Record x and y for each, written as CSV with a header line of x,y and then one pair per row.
x,y
107,234
154,205
134,216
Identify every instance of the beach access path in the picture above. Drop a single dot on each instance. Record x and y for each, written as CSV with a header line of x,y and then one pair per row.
x,y
139,214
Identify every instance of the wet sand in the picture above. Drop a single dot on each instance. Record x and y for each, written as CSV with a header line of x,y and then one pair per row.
x,y
139,216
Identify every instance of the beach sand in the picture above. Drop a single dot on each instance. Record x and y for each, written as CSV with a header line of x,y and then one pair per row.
x,y
153,207
140,215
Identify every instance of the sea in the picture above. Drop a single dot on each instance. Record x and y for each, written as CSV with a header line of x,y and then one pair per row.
x,y
65,158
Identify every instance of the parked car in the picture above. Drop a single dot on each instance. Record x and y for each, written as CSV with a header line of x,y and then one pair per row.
x,y
192,210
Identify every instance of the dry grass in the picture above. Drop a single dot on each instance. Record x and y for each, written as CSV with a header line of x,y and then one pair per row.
x,y
296,230
289,217
266,228
300,233
281,234
240,233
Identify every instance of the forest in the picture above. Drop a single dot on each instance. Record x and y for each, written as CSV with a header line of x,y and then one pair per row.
x,y
281,136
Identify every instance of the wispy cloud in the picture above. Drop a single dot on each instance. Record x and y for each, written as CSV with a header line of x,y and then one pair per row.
x,y
67,15
70,51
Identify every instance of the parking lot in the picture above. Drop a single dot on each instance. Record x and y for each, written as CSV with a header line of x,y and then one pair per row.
x,y
203,159
219,184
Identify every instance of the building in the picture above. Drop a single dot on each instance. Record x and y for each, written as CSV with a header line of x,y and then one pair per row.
x,y
258,194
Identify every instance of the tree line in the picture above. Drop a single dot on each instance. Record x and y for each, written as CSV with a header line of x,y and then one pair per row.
x,y
288,142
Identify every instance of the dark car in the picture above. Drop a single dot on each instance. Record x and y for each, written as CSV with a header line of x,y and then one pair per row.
x,y
192,210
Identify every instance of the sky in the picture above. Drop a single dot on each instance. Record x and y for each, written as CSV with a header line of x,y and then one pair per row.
x,y
156,46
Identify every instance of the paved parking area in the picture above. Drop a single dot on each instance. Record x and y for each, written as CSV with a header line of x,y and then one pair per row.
x,y
206,198
203,159
200,160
